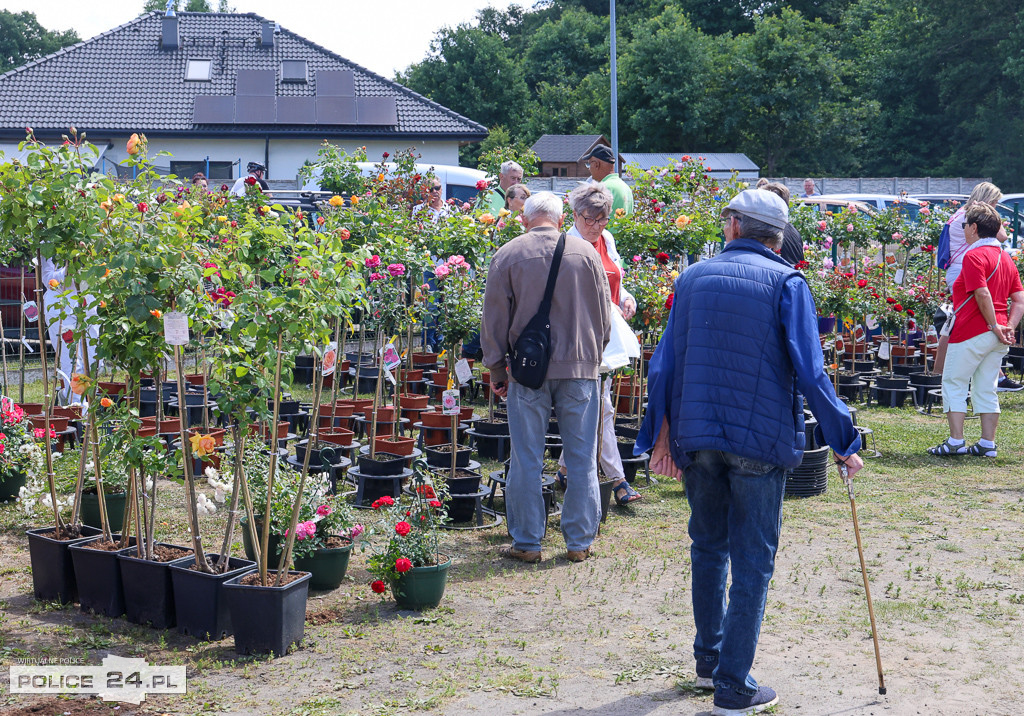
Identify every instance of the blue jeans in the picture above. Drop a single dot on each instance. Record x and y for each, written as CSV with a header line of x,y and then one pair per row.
x,y
736,514
576,404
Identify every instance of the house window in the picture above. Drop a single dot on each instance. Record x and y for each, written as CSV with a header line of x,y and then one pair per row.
x,y
219,171
564,172
198,70
293,71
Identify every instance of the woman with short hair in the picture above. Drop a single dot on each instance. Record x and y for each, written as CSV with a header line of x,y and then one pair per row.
x,y
983,328
516,196
591,206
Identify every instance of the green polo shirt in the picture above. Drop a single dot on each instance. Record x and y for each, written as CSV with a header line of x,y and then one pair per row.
x,y
497,201
622,195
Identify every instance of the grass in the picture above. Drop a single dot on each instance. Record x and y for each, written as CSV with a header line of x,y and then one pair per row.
x,y
942,538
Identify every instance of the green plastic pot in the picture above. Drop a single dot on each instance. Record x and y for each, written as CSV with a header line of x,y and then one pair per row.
x,y
328,566
90,510
10,486
272,543
421,587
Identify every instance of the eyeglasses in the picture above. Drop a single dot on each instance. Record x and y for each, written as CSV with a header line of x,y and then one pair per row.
x,y
434,188
725,219
590,222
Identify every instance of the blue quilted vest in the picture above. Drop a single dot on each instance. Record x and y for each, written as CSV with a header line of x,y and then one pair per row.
x,y
734,388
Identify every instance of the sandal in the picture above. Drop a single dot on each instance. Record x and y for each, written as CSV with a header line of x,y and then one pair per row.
x,y
630,495
945,449
978,450
562,478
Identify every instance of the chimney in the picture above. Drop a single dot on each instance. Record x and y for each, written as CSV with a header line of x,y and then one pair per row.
x,y
267,34
169,39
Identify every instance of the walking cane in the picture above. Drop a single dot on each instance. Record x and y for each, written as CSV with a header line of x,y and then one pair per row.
x,y
845,474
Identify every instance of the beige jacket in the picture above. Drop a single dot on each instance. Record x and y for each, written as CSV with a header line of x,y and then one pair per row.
x,y
580,318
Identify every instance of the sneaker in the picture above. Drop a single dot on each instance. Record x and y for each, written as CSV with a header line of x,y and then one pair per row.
x,y
1008,385
704,671
509,551
729,702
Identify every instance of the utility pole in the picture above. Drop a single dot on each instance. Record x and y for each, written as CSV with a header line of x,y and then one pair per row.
x,y
615,90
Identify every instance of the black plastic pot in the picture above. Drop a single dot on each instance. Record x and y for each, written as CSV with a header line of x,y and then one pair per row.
x,y
199,604
267,619
924,382
462,485
98,574
382,468
627,431
810,478
498,427
273,542
148,589
371,487
288,407
905,369
437,458
489,447
1016,357
334,453
625,448
53,573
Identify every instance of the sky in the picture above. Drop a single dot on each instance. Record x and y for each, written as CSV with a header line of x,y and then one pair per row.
x,y
383,36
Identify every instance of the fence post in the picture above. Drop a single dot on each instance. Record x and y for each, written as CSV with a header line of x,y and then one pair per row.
x,y
1016,223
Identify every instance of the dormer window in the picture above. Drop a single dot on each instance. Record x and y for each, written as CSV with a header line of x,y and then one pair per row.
x,y
293,71
198,70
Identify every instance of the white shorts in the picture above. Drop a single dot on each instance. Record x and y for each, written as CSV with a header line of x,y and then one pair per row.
x,y
973,364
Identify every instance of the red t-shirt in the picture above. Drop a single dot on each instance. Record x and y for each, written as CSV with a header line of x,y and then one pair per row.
x,y
978,264
611,270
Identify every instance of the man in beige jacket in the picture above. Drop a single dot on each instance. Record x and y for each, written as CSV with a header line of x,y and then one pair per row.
x,y
580,328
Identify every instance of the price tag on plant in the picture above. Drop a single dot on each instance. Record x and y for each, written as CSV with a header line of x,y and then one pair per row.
x,y
450,402
31,311
871,321
898,279
883,351
463,372
840,346
330,361
389,357
390,377
176,328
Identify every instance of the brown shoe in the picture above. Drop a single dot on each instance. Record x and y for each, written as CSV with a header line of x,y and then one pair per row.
x,y
509,551
578,555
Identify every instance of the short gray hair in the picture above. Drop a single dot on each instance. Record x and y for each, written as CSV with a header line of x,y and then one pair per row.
x,y
767,234
509,166
543,204
594,197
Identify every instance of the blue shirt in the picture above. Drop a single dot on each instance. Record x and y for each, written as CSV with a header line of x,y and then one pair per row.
x,y
800,319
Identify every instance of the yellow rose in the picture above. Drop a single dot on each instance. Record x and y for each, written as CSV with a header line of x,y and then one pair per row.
x,y
336,200
354,200
486,219
106,206
619,213
203,445
682,221
503,213
118,197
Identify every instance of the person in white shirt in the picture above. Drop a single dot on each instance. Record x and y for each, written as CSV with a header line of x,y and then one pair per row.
x,y
58,300
256,172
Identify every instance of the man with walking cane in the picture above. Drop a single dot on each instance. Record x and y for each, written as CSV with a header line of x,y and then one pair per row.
x,y
725,389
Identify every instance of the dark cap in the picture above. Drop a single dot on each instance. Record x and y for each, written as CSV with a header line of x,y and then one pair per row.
x,y
602,152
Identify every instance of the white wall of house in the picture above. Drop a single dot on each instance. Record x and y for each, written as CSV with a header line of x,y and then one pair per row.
x,y
286,155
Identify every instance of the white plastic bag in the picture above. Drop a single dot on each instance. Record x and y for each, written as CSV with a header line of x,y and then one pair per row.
x,y
622,345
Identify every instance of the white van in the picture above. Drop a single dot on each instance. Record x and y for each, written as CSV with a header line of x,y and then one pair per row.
x,y
456,182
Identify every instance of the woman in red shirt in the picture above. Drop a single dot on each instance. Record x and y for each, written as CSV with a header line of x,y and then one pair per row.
x,y
983,327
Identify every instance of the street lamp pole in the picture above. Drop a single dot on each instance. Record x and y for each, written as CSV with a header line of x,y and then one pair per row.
x,y
615,90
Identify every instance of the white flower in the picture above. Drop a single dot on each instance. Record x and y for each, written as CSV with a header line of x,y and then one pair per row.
x,y
204,506
90,465
211,473
149,484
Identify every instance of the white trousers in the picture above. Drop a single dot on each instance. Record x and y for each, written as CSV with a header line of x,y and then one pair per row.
x,y
973,364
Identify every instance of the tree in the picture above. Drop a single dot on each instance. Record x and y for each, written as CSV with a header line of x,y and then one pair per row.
x,y
23,39
190,6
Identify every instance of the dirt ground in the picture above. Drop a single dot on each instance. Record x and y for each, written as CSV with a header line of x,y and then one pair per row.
x,y
612,636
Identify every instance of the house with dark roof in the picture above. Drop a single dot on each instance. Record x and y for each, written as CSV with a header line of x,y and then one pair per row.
x,y
218,90
561,155
720,165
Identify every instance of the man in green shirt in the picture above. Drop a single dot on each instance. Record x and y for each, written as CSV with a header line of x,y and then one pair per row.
x,y
602,169
509,175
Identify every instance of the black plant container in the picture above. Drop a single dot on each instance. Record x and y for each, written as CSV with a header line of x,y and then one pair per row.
x,y
53,574
371,487
98,574
924,382
498,427
382,468
148,589
199,604
462,485
336,453
625,449
437,458
267,619
627,431
490,447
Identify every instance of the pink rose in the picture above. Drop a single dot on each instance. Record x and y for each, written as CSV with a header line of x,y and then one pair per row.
x,y
456,261
441,271
466,206
897,236
376,276
396,270
482,185
822,225
372,262
324,510
849,227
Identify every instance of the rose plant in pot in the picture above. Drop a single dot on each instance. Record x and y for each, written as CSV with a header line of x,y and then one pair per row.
x,y
324,537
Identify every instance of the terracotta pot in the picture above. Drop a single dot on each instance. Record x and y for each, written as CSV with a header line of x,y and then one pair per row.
x,y
440,377
471,362
149,421
339,409
58,425
395,446
412,401
113,388
465,413
196,379
146,431
416,374
71,412
424,358
361,405
335,436
261,429
485,377
385,414
435,419
216,433
31,408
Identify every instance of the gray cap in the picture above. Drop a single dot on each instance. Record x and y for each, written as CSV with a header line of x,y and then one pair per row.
x,y
761,205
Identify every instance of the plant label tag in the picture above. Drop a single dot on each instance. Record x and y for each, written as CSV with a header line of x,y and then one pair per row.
x,y
883,351
389,357
176,328
463,372
28,347
890,259
858,333
330,361
6,404
31,311
450,402
389,376
840,346
871,321
898,280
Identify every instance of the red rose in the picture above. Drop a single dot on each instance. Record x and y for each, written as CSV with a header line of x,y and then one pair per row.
x,y
668,301
801,265
910,312
250,181
403,528
161,198
875,295
385,501
142,207
662,258
435,503
862,283
890,300
897,307
223,187
68,336
378,587
402,565
482,185
386,155
234,224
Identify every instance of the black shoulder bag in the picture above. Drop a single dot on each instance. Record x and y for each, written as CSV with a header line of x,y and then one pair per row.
x,y
532,350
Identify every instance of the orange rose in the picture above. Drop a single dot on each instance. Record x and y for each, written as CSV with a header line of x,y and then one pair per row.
x,y
79,383
54,283
133,144
106,402
682,221
486,219
156,313
203,445
106,206
103,304
354,200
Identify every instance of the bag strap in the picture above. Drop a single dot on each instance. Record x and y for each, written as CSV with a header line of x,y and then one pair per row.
x,y
549,290
999,260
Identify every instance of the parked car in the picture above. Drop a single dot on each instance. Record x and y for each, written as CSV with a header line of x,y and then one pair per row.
x,y
1014,200
1005,207
830,203
880,202
457,183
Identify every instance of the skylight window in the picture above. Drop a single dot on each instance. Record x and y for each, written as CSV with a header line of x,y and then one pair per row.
x,y
197,70
293,71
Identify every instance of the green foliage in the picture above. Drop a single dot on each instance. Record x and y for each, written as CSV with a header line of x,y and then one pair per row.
x,y
337,169
190,6
23,39
493,155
